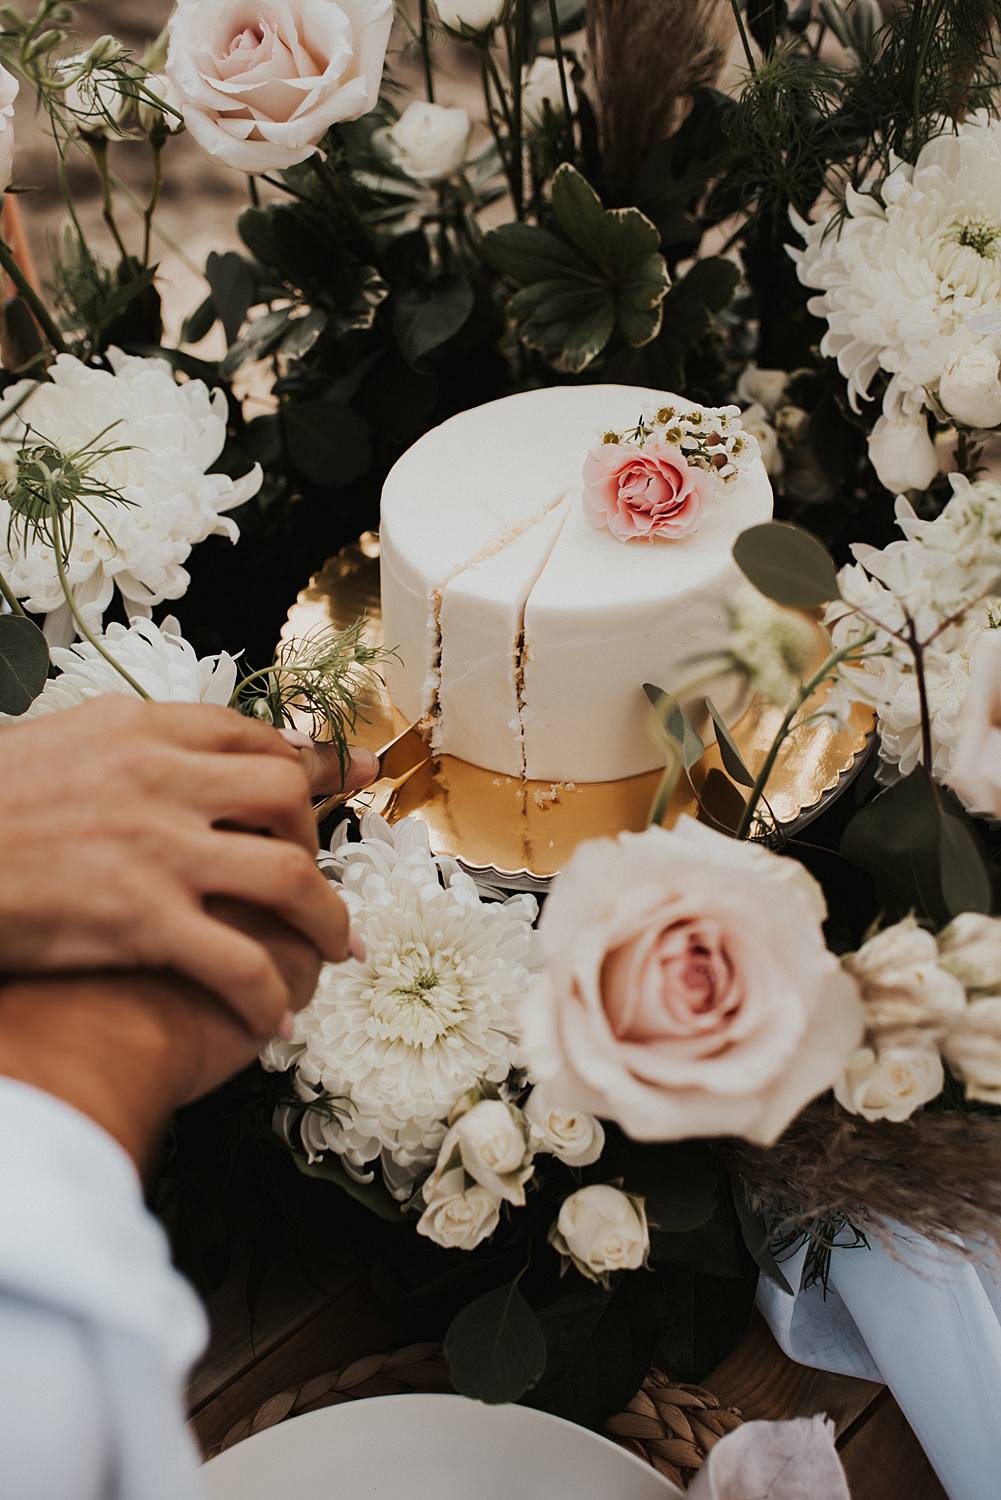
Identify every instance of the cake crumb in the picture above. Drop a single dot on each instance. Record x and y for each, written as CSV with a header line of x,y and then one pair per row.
x,y
545,797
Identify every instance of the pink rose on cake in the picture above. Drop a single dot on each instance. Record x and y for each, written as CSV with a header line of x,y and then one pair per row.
x,y
644,491
688,989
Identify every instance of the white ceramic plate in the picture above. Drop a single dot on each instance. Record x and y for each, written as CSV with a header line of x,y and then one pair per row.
x,y
430,1448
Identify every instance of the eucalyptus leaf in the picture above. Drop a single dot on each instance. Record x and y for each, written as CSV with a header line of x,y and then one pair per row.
x,y
670,718
599,1346
966,882
330,444
495,1347
200,323
731,757
787,564
897,838
424,320
233,289
24,663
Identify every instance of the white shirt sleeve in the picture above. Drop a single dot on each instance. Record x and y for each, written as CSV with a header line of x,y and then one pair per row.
x,y
97,1330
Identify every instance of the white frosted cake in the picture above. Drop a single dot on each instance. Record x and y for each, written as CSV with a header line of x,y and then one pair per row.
x,y
524,628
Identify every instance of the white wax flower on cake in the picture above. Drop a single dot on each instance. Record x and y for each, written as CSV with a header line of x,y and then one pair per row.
x,y
428,141
394,1040
157,657
161,498
602,1230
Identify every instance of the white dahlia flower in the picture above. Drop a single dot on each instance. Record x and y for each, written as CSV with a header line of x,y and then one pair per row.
x,y
938,569
904,285
390,1043
163,498
156,656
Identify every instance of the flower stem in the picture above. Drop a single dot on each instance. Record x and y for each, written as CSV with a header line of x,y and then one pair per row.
x,y
735,7
807,689
516,64
561,63
426,52
917,648
60,553
154,200
8,593
42,315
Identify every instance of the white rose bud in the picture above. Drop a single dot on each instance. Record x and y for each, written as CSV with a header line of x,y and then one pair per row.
x,y
575,1138
762,387
903,454
467,16
491,1142
892,1083
428,141
601,1230
970,949
541,86
459,1217
970,388
902,982
973,1049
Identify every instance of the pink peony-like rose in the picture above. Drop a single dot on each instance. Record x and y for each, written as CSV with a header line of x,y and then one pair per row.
x,y
646,491
260,82
976,770
688,990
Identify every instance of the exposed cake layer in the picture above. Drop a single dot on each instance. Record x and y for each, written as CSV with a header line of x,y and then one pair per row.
x,y
524,633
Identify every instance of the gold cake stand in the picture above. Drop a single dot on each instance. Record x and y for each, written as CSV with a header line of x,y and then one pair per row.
x,y
519,834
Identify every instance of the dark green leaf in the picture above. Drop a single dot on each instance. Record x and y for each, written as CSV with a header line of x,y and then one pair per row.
x,y
200,323
729,754
707,1318
713,281
528,254
495,1347
766,21
787,564
599,1345
966,882
24,663
754,1228
897,839
372,1194
671,717
329,444
233,289
303,333
424,320
720,804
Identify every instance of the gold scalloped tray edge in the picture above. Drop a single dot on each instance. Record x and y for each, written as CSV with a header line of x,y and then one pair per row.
x,y
519,834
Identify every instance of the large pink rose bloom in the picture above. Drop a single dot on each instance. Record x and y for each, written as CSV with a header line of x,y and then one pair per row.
x,y
976,771
688,988
646,491
260,82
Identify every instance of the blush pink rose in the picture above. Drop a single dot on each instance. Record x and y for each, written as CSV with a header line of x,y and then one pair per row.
x,y
646,491
688,990
976,770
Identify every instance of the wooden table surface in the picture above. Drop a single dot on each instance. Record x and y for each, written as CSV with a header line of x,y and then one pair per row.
x,y
300,1332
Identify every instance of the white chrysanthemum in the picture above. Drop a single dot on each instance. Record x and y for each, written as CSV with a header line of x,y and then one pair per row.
x,y
157,657
915,264
940,567
395,1040
171,435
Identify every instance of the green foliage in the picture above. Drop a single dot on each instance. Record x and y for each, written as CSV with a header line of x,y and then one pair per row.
x,y
24,663
787,564
496,1348
599,272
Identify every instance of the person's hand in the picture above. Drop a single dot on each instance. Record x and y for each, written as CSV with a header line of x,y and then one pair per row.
x,y
129,1049
120,820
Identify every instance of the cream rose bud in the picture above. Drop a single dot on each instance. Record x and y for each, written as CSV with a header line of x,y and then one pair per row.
x,y
150,115
688,990
428,141
892,1082
903,983
470,15
903,454
575,1138
262,85
765,388
540,87
491,1142
973,1049
970,948
970,388
459,1217
602,1230
976,767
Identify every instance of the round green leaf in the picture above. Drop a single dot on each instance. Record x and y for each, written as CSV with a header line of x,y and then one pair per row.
x,y
787,564
495,1347
24,663
330,444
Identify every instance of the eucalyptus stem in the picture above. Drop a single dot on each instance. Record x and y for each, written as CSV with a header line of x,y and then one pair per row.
x,y
74,609
807,689
43,317
745,42
8,593
917,648
426,51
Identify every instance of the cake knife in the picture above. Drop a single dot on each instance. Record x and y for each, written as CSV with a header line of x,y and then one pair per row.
x,y
398,759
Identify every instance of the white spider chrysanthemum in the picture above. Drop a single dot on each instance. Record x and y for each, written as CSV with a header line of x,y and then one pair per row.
x,y
157,657
907,281
393,1041
937,570
169,436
